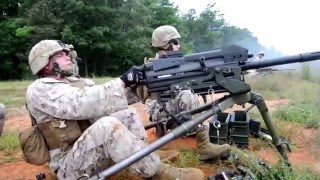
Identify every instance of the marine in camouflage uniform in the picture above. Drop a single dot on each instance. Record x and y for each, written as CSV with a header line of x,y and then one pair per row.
x,y
165,39
88,127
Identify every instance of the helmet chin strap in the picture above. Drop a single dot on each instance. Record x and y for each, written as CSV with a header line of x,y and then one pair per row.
x,y
169,48
56,70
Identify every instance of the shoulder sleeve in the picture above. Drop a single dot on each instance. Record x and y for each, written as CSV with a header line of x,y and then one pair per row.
x,y
61,100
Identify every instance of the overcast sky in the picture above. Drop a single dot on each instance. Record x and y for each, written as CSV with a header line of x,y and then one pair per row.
x,y
289,26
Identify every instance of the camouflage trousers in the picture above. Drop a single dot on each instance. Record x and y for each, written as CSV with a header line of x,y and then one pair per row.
x,y
108,141
184,100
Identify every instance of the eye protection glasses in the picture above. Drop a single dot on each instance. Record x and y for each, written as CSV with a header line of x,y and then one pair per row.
x,y
174,42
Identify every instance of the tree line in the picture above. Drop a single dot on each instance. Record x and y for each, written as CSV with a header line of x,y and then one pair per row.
x,y
110,36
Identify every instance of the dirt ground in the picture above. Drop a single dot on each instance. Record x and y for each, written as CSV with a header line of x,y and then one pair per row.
x,y
306,149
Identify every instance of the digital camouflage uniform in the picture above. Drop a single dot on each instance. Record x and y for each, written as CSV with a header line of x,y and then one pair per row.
x,y
166,39
183,100
115,134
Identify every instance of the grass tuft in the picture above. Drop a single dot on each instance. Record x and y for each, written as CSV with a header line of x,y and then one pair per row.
x,y
9,142
303,113
187,158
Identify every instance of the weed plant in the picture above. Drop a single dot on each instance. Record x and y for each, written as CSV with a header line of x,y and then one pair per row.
x,y
9,142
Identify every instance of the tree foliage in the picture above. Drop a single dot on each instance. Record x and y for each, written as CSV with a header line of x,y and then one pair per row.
x,y
109,36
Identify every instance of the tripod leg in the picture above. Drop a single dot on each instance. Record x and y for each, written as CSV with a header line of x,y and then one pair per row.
x,y
263,109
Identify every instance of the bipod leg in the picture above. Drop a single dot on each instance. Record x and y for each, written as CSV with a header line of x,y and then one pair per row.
x,y
263,109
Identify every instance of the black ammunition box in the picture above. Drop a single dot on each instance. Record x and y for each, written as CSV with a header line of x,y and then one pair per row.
x,y
224,119
254,127
239,128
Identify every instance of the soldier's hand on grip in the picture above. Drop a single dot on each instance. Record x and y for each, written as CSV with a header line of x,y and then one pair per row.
x,y
134,76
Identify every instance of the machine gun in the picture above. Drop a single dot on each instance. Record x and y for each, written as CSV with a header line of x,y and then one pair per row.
x,y
216,71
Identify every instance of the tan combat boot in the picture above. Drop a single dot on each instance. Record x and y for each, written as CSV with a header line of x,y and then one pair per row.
x,y
207,150
167,155
168,172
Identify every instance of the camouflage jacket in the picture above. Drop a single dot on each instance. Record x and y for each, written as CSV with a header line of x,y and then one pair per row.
x,y
47,97
73,99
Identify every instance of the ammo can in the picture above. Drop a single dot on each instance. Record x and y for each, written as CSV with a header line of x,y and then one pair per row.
x,y
239,129
223,137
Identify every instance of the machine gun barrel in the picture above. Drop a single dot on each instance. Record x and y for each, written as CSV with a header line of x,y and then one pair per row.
x,y
305,57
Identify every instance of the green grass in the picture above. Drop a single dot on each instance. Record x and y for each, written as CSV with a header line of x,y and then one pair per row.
x,y
285,86
12,93
9,142
187,158
282,171
259,170
273,86
303,113
302,93
8,159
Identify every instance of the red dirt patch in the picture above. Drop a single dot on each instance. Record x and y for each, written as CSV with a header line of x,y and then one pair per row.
x,y
21,170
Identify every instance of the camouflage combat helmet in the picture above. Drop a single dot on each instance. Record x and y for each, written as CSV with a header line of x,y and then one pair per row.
x,y
163,34
41,52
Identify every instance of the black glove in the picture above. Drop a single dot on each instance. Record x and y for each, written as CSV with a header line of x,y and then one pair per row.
x,y
133,76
